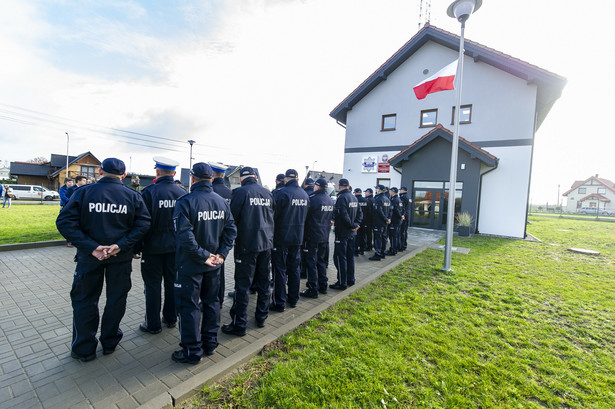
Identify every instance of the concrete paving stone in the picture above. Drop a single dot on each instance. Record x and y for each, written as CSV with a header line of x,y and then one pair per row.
x,y
20,387
109,400
10,366
26,400
34,369
63,331
127,403
47,391
46,377
9,379
65,400
65,383
149,393
170,381
5,394
131,384
23,352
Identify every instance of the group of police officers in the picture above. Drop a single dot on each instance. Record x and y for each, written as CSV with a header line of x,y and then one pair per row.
x,y
184,238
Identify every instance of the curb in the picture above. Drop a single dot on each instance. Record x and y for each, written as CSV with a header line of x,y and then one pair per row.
x,y
192,386
32,245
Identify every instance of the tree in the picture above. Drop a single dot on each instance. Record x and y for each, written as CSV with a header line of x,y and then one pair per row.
x,y
38,159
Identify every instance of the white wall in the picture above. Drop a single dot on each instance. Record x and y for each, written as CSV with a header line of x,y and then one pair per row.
x,y
352,170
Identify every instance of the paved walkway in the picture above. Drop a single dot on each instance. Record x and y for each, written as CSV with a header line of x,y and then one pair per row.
x,y
36,370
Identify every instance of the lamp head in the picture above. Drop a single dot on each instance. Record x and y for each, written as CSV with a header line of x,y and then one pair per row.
x,y
461,9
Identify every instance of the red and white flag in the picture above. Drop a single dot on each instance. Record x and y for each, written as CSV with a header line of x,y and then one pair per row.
x,y
441,81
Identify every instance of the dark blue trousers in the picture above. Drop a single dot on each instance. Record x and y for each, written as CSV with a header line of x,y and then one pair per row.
x,y
343,257
394,237
251,270
155,269
85,293
403,234
198,330
221,288
380,240
286,270
316,261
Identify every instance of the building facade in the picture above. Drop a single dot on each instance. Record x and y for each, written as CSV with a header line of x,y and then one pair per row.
x,y
593,192
504,101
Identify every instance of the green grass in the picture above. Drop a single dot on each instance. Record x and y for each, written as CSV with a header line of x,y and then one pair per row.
x,y
26,223
516,325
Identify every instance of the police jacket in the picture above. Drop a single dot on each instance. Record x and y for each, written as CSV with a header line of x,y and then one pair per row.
x,y
347,214
252,207
160,200
382,210
221,189
291,207
368,214
363,206
104,213
397,210
204,225
406,201
319,217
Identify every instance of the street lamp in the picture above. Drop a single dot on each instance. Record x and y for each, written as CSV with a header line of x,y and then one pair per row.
x,y
67,138
460,10
191,142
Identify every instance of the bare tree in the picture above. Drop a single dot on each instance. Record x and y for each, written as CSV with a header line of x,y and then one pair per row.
x,y
38,159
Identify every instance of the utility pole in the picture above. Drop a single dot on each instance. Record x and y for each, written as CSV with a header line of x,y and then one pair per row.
x,y
67,139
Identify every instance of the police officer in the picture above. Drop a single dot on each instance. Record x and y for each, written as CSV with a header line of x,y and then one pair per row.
x,y
158,247
317,229
360,238
205,232
368,219
382,218
252,206
347,218
279,182
405,199
308,186
291,207
220,188
397,215
104,221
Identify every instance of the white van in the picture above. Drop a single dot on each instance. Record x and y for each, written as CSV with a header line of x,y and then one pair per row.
x,y
33,192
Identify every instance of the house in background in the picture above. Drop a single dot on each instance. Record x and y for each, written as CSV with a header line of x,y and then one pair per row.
x,y
51,174
395,139
331,177
593,192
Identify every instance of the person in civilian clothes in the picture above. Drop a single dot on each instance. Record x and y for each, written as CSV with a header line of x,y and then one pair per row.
x,y
104,221
368,219
347,218
397,216
382,219
291,207
205,232
405,199
220,188
360,239
68,183
317,229
79,181
252,206
158,247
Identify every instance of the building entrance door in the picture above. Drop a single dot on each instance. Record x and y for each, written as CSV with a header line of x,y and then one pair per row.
x,y
427,208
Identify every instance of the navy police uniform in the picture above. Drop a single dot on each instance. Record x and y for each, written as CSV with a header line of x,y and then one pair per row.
x,y
382,217
368,219
317,230
103,214
360,238
252,206
397,212
158,248
204,227
405,199
220,188
291,207
347,217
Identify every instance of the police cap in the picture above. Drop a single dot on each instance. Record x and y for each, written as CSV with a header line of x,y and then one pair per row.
x,y
381,187
404,188
291,173
280,177
369,189
202,170
394,189
114,166
247,171
165,163
309,181
344,182
217,167
321,182
358,190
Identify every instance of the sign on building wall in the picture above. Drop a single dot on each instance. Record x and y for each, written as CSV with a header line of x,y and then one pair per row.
x,y
383,165
368,164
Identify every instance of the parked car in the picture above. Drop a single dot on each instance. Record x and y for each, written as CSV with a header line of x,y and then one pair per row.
x,y
33,192
593,210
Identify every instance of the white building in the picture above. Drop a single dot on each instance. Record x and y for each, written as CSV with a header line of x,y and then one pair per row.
x,y
504,102
593,192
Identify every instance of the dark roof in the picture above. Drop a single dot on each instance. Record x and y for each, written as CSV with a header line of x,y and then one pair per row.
x,y
61,159
595,196
549,85
441,132
604,182
30,169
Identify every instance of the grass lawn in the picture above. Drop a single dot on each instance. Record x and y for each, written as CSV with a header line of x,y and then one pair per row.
x,y
517,325
25,223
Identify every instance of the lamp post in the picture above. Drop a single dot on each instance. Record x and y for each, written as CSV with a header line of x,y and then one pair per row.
x,y
67,138
460,10
191,142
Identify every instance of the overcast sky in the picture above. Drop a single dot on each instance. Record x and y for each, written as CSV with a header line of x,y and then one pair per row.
x,y
253,81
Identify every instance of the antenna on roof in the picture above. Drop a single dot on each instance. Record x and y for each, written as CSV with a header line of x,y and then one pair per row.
x,y
424,12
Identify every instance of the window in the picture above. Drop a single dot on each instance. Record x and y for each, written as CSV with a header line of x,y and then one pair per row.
x,y
429,118
384,181
389,122
466,115
88,171
582,190
602,190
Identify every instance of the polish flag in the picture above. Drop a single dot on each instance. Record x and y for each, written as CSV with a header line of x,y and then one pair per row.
x,y
441,81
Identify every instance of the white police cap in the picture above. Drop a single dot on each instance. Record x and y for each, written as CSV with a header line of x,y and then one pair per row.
x,y
165,163
218,167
